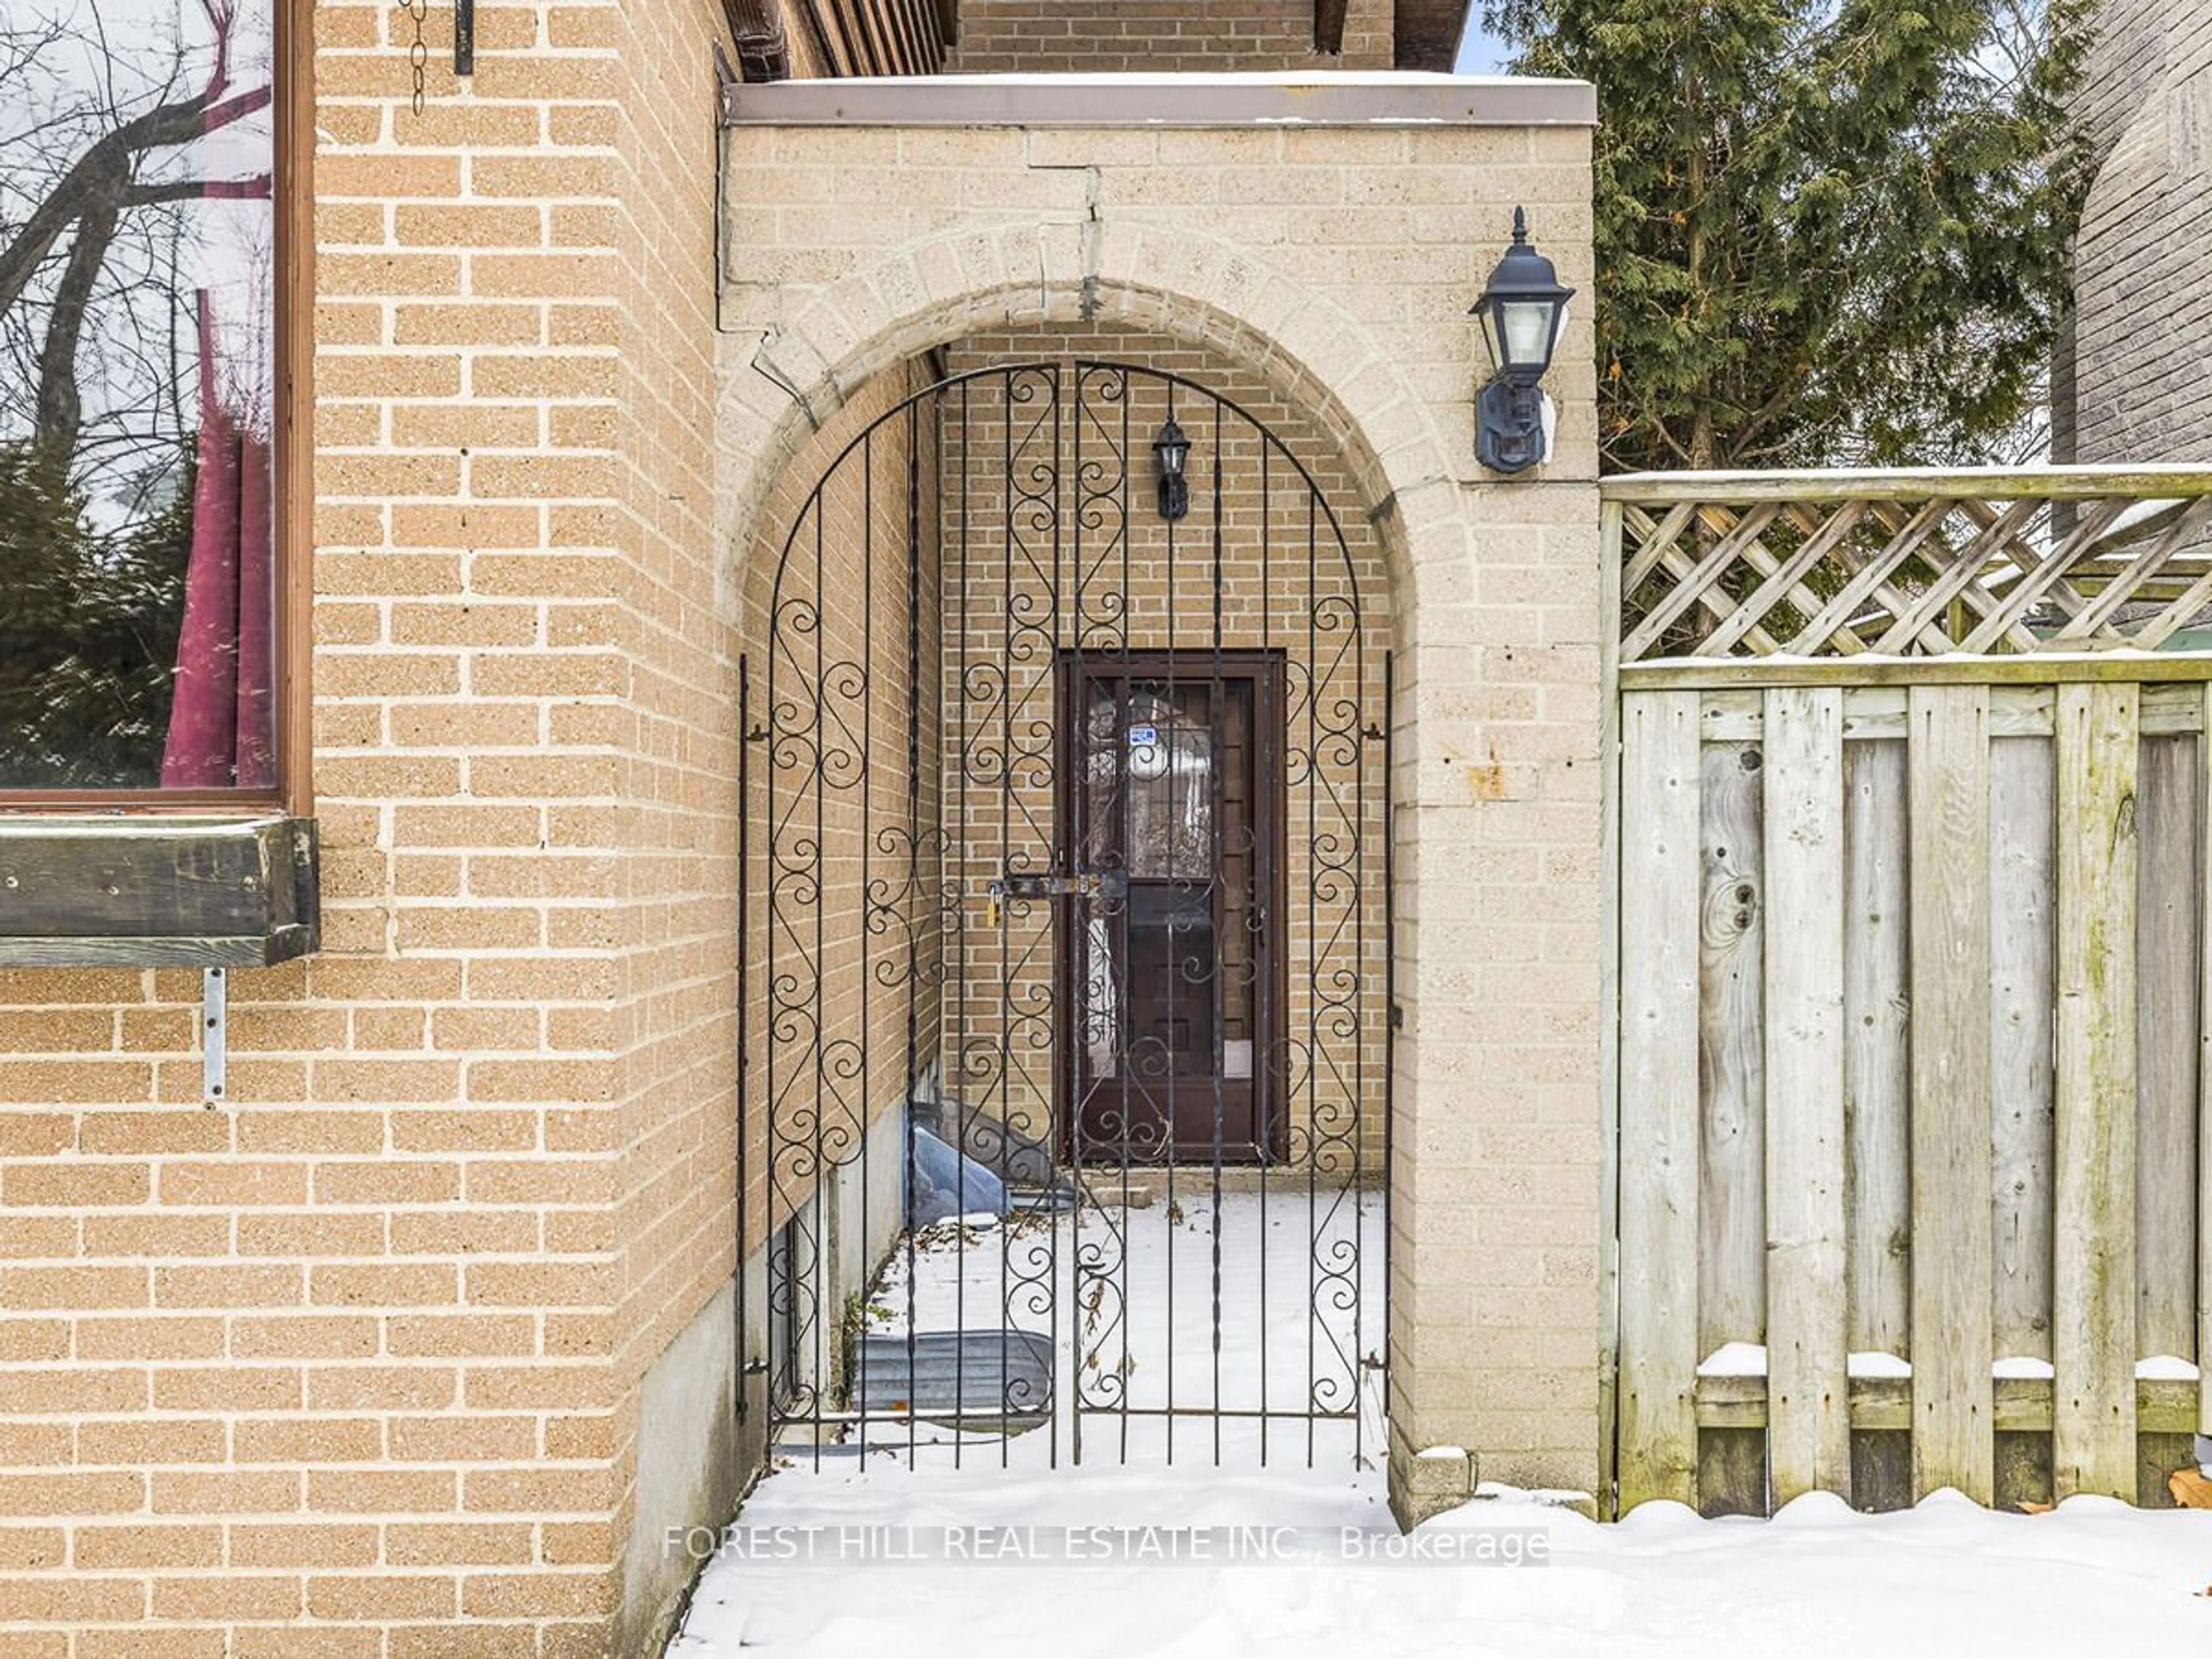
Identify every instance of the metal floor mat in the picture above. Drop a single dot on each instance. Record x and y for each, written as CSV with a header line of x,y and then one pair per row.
x,y
980,1378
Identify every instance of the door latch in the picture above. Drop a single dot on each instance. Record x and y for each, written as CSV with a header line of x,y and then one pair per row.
x,y
1038,884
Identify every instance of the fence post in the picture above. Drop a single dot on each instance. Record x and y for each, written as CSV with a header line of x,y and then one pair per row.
x,y
2204,1076
1659,1130
2093,1424
1953,1436
1808,1430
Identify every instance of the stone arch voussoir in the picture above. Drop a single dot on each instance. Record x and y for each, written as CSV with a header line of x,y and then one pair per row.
x,y
909,299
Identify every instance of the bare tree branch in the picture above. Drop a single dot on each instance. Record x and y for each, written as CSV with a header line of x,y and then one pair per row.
x,y
100,177
258,189
60,408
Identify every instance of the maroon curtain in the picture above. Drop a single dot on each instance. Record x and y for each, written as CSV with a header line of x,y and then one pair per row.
x,y
256,663
221,730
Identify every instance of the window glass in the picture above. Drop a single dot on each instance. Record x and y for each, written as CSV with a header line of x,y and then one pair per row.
x,y
138,282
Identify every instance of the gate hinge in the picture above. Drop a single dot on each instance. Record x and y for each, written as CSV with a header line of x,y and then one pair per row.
x,y
751,1368
1397,1016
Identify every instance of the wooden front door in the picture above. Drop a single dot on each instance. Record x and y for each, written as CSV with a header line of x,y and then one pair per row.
x,y
1172,822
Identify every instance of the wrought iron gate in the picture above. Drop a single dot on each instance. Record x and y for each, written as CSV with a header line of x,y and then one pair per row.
x,y
1067,933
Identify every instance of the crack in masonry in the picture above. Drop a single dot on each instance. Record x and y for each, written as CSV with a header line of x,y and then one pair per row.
x,y
1091,240
1088,300
729,290
1388,506
763,365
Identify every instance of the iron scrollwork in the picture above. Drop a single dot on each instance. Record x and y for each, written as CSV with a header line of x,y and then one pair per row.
x,y
986,678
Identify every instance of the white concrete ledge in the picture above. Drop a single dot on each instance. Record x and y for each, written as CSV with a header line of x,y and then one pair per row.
x,y
1326,100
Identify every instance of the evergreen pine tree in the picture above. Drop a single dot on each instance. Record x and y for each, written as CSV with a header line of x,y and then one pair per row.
x,y
88,629
1829,232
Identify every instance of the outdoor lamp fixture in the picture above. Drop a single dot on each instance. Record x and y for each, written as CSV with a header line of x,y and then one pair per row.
x,y
1521,312
1172,450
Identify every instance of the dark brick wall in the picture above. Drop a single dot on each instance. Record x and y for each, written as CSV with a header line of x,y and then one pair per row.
x,y
2136,387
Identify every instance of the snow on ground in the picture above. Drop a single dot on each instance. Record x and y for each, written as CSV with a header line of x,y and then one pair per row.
x,y
809,1569
2095,1578
1292,1281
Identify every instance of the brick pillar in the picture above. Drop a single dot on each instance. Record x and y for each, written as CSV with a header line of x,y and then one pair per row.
x,y
1496,1221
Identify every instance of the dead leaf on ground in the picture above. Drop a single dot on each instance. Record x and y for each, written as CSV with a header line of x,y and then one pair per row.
x,y
2191,1489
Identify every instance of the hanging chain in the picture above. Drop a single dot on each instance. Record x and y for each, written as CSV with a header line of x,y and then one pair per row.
x,y
418,53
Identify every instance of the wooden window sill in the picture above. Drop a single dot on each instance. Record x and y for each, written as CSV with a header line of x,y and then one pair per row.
x,y
149,891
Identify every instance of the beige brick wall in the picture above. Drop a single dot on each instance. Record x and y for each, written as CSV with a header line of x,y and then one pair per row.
x,y
1054,37
356,1357
677,874
2134,388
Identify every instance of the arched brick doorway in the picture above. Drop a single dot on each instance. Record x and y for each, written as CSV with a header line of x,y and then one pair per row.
x,y
1356,314
1073,862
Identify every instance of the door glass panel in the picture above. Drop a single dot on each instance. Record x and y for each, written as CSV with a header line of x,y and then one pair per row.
x,y
1162,988
1102,1007
1169,826
1149,778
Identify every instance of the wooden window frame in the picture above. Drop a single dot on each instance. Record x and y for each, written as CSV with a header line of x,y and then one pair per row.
x,y
292,558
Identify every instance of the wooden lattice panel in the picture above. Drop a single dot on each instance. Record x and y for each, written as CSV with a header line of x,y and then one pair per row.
x,y
1911,564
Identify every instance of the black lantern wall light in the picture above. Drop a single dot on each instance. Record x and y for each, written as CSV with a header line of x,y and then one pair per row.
x,y
1172,451
1523,312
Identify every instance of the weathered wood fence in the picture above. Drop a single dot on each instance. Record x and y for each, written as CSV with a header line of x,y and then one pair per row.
x,y
1914,1124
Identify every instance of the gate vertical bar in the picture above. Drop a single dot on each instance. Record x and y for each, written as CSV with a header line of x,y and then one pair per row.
x,y
952,769
1265,727
1073,715
1312,968
849,1348
1217,900
1003,928
1355,1015
1389,1032
817,1243
1169,1091
745,1018
911,897
1123,1058
1056,914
